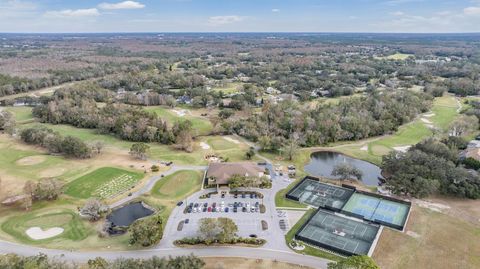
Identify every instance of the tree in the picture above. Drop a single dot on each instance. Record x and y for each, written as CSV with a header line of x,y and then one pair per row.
x,y
97,263
146,231
74,147
139,151
182,130
347,171
98,146
463,125
354,262
47,189
228,229
7,121
208,229
291,146
93,209
250,153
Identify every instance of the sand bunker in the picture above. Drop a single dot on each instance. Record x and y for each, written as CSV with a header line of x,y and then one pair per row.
x,y
364,148
402,148
426,121
204,145
36,233
432,206
31,160
53,172
180,113
231,140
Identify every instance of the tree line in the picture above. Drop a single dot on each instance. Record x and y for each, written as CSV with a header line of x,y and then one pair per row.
x,y
128,122
352,118
55,143
42,261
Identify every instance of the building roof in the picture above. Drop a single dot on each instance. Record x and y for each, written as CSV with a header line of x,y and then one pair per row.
x,y
222,172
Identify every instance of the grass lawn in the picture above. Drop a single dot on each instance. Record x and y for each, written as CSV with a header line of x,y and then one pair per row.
x,y
440,241
74,229
103,183
230,88
21,114
178,185
201,125
308,249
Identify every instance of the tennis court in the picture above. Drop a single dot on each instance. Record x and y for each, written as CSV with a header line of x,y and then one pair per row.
x,y
319,194
339,234
377,209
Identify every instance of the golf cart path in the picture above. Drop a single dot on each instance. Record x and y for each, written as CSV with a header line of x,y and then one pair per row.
x,y
152,180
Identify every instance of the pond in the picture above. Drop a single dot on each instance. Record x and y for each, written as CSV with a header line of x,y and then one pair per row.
x,y
126,215
322,164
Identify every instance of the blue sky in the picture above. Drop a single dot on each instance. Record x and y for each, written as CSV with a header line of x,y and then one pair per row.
x,y
240,16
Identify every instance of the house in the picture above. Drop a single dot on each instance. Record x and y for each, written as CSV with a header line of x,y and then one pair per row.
x,y
184,100
219,174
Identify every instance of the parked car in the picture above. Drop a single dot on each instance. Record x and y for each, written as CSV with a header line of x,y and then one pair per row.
x,y
235,195
204,209
187,221
205,204
223,195
190,205
189,210
235,209
252,209
209,209
195,205
180,203
214,204
226,209
214,209
244,209
243,195
251,195
257,203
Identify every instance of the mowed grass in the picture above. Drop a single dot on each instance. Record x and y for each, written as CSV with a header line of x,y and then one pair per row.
x,y
10,155
441,241
88,185
74,229
178,185
21,114
201,126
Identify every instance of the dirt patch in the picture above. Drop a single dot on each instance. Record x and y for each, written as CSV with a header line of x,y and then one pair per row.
x,y
364,148
235,141
413,234
53,172
204,145
242,263
437,207
31,160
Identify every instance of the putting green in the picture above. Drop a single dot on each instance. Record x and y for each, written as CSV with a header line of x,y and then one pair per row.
x,y
178,185
74,230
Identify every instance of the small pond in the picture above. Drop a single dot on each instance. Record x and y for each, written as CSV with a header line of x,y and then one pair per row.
x,y
322,163
126,215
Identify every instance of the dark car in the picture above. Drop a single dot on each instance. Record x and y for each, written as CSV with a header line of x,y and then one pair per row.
x,y
214,204
255,196
243,195
180,203
235,195
187,221
256,204
190,205
226,209
251,195
235,210
244,209
205,204
214,209
204,209
189,210
195,205
223,195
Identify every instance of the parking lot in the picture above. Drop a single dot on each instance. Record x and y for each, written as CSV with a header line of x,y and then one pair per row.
x,y
244,210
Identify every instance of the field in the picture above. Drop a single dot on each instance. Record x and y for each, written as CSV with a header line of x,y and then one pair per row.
x,y
103,183
201,125
230,88
397,56
21,114
433,240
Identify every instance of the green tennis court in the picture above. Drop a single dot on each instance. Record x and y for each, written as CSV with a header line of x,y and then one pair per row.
x,y
373,208
319,194
339,234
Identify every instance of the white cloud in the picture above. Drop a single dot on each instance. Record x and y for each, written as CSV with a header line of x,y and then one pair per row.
x,y
275,10
471,11
222,20
397,13
17,5
73,13
122,5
